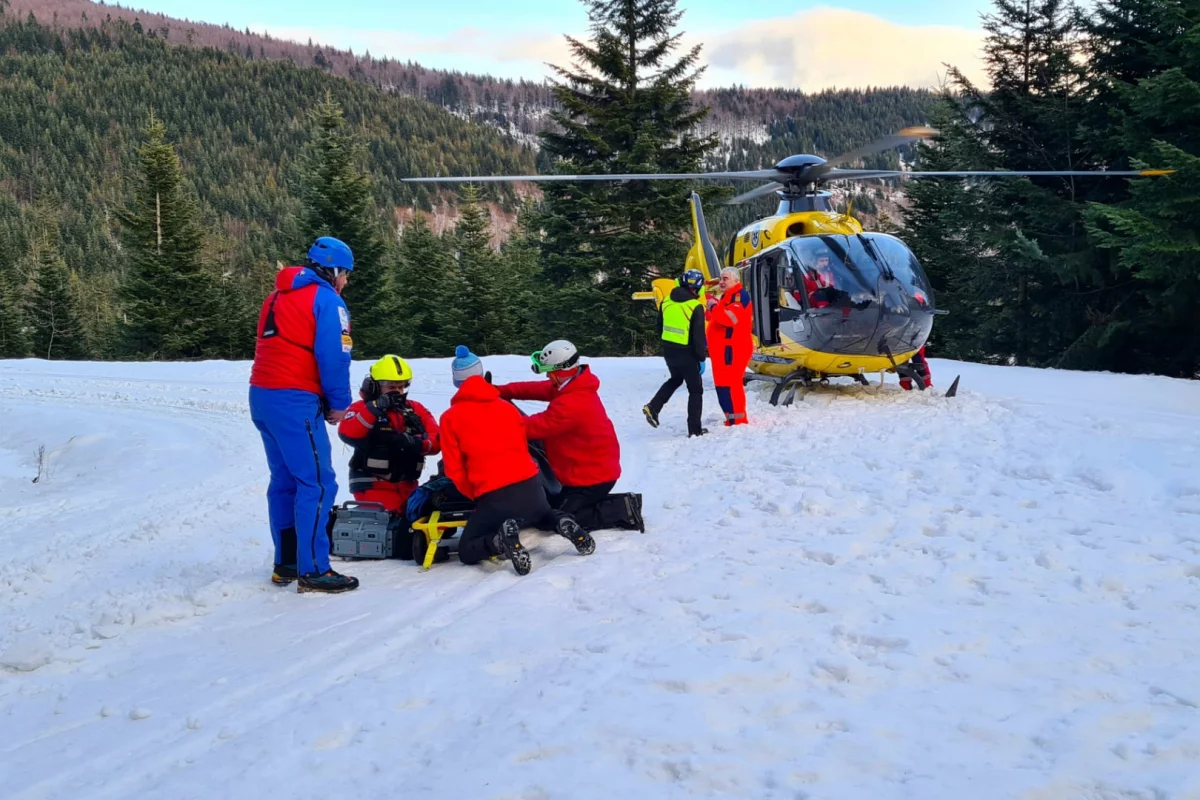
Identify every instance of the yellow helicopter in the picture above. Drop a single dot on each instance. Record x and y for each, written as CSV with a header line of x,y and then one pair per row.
x,y
829,299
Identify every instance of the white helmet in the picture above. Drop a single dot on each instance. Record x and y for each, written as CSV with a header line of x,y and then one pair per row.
x,y
559,354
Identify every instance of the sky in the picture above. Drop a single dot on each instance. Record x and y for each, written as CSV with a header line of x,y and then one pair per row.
x,y
808,46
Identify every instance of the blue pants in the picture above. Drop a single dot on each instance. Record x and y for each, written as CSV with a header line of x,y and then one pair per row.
x,y
303,486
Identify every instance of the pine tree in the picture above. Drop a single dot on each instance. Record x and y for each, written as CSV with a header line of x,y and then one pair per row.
x,y
525,289
626,108
338,202
1151,87
13,342
55,331
489,329
1021,295
168,296
428,282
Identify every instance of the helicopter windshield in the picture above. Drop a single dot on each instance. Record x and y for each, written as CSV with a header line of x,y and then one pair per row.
x,y
827,272
846,271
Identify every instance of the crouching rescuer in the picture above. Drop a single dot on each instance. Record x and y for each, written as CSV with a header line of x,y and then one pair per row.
x,y
391,436
486,456
581,443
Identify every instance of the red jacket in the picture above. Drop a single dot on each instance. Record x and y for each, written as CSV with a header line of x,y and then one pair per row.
x,y
581,443
483,441
730,344
358,424
377,440
304,338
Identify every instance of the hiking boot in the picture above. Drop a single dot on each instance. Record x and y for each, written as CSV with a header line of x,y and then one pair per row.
x,y
508,543
329,582
651,416
635,511
284,574
583,541
700,432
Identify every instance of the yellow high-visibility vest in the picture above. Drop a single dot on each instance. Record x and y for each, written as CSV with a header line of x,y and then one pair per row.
x,y
677,320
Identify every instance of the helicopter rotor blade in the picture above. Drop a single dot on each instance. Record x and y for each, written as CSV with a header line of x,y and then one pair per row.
x,y
865,174
754,194
754,174
1081,173
901,137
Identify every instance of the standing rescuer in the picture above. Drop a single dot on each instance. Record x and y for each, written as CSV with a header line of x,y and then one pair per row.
x,y
681,325
730,344
299,381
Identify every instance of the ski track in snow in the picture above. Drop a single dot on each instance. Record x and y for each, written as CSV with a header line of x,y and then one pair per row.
x,y
871,593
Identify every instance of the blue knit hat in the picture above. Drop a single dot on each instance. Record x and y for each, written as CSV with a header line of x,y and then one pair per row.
x,y
464,365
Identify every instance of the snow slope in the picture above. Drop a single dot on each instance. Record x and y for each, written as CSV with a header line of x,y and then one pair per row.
x,y
868,594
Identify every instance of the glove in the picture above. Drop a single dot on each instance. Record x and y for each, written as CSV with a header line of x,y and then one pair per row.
x,y
379,406
703,364
411,445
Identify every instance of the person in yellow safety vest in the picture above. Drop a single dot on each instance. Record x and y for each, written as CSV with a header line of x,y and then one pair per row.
x,y
681,326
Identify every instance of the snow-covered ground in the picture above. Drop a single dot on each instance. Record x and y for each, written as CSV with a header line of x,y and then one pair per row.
x,y
868,594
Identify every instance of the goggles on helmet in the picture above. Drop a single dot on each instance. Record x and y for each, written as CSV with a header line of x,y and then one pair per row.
x,y
540,367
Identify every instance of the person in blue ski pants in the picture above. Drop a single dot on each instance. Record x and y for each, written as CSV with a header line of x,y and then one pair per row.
x,y
301,380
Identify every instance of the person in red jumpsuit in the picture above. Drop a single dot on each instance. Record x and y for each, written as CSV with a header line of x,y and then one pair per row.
x,y
730,344
391,435
818,283
922,366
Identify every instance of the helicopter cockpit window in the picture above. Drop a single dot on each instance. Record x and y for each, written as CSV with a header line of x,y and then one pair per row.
x,y
828,273
904,266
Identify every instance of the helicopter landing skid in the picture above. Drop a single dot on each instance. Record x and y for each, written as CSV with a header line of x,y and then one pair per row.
x,y
785,387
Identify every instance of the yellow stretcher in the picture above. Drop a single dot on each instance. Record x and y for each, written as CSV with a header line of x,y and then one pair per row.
x,y
437,535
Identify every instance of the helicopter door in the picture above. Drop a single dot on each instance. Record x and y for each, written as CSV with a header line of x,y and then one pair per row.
x,y
759,279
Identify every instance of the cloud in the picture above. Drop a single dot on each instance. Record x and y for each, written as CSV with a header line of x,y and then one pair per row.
x,y
811,50
829,47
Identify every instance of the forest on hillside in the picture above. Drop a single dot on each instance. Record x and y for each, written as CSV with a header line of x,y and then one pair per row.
x,y
257,155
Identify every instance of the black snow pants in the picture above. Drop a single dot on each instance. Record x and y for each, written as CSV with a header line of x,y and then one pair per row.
x,y
683,369
596,509
525,502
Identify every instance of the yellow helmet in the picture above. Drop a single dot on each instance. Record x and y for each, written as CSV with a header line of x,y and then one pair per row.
x,y
391,368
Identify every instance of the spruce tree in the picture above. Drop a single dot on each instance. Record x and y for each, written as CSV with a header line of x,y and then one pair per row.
x,y
626,108
13,341
432,317
338,202
168,295
525,289
489,327
1021,294
55,331
1152,86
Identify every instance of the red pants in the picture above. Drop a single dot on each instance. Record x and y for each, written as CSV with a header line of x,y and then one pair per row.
x,y
392,496
922,367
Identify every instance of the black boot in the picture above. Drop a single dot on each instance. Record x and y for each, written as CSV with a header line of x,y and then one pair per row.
x,y
284,574
583,541
508,543
635,512
285,570
651,416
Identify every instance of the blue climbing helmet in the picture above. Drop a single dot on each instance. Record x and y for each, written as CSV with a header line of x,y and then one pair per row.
x,y
330,253
693,279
